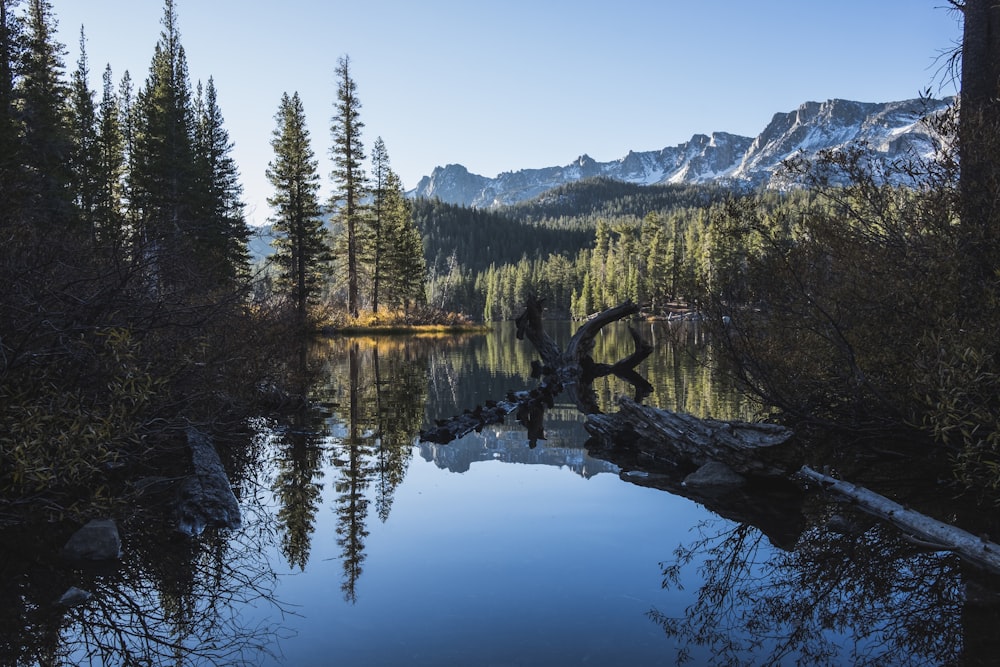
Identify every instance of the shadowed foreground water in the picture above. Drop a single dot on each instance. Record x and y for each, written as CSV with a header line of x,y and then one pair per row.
x,y
362,546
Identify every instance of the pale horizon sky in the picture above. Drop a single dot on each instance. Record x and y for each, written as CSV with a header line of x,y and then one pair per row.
x,y
514,85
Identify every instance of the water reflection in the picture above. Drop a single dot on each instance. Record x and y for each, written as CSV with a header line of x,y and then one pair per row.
x,y
171,599
377,389
777,577
298,486
852,592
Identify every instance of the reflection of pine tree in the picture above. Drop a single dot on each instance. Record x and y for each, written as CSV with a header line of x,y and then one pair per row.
x,y
400,409
382,391
353,458
297,487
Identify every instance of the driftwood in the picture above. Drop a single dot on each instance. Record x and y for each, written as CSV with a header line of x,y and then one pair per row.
x,y
572,371
749,448
528,404
977,550
206,497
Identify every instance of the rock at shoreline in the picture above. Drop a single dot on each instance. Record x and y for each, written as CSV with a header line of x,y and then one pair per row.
x,y
714,475
74,597
98,540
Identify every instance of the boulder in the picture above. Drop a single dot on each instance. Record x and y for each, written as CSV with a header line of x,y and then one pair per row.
x,y
74,597
715,475
98,540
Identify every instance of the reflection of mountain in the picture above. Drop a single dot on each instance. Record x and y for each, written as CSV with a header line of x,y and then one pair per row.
x,y
561,449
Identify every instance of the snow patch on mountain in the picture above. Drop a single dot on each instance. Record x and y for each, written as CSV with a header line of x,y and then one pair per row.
x,y
891,128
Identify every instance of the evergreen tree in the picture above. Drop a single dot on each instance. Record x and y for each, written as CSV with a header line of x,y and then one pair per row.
x,y
162,173
127,122
47,141
223,233
302,250
409,275
11,175
348,175
378,245
394,249
84,156
110,171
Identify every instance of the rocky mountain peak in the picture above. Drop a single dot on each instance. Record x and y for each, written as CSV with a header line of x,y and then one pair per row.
x,y
892,128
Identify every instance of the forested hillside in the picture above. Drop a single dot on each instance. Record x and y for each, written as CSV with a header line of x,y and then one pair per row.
x,y
583,203
476,238
581,247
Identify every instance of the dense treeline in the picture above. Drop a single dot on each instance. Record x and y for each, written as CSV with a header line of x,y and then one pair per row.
x,y
476,238
582,247
664,260
123,262
583,203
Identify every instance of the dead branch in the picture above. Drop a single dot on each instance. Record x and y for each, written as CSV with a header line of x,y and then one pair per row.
x,y
978,550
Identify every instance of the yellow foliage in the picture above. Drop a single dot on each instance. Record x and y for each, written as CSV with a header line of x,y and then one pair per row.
x,y
64,436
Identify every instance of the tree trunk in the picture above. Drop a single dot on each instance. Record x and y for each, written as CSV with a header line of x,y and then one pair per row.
x,y
936,534
979,144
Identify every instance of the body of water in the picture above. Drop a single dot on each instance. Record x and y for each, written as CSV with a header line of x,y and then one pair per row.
x,y
361,545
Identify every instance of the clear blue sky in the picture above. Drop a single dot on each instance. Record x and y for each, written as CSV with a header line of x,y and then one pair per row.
x,y
509,85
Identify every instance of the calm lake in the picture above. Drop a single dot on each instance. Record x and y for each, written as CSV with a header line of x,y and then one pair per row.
x,y
360,545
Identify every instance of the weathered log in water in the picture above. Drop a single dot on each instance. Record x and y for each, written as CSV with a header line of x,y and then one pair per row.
x,y
206,497
749,448
530,405
572,371
577,354
977,550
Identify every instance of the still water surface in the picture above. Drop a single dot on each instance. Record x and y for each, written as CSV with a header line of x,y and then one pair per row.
x,y
488,551
363,546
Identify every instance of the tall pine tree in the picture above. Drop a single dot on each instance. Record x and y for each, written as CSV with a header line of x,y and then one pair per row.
x,y
47,140
84,155
163,186
394,251
378,243
349,180
109,205
302,248
11,176
223,233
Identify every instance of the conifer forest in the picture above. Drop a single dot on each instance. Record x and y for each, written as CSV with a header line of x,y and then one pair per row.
x,y
856,309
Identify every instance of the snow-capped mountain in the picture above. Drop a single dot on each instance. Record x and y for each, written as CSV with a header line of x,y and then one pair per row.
x,y
891,128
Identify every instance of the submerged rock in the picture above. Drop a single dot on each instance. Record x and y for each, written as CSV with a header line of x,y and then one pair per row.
x,y
74,597
98,540
715,475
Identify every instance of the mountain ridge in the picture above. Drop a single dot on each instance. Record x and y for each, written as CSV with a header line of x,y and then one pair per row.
x,y
890,128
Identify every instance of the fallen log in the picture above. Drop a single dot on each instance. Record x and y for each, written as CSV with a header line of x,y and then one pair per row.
x,y
528,404
573,371
205,497
977,550
749,448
